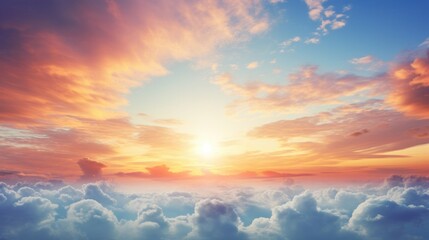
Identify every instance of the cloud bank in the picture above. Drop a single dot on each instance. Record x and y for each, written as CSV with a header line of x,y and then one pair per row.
x,y
396,209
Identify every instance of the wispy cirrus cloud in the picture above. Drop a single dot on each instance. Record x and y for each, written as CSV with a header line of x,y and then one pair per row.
x,y
346,133
362,60
306,87
368,62
57,72
425,43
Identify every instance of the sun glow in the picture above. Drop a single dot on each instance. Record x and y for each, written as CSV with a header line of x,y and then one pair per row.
x,y
206,149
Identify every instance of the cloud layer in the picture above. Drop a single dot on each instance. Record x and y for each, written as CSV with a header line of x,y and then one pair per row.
x,y
398,208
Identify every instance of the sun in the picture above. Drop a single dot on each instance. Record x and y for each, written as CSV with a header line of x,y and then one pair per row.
x,y
206,149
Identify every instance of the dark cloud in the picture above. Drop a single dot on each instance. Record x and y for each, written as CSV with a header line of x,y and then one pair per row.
x,y
215,219
91,169
386,219
358,133
420,132
8,172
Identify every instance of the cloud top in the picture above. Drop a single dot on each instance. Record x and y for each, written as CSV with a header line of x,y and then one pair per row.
x,y
398,208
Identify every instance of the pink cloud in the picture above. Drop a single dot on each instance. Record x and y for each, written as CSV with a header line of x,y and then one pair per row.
x,y
304,88
66,67
315,8
337,24
81,57
160,171
43,150
370,130
163,138
91,169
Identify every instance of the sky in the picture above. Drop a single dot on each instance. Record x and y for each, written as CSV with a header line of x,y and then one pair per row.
x,y
214,119
334,90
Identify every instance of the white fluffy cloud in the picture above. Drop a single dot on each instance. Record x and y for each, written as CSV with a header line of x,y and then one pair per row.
x,y
396,209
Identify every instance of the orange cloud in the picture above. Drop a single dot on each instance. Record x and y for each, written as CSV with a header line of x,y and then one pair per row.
x,y
116,141
368,131
79,58
163,138
161,171
47,151
66,67
410,87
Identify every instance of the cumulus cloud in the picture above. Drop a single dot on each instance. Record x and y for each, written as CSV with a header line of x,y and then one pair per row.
x,y
93,191
386,219
215,219
397,208
88,219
